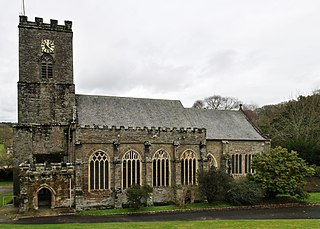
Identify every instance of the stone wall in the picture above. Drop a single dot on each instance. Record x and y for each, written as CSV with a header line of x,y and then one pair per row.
x,y
222,149
39,142
45,100
56,177
146,141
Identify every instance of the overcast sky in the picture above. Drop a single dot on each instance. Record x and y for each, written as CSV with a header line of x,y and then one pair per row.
x,y
261,52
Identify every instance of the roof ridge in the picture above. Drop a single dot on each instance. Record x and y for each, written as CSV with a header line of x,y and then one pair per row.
x,y
125,97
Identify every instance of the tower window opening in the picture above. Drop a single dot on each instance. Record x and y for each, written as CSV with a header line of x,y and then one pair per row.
x,y
46,67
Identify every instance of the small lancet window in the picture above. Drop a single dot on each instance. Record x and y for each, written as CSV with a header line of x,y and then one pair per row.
x,y
46,67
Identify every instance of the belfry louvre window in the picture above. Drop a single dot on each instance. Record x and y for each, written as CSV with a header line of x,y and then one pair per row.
x,y
131,169
161,169
188,167
46,67
99,171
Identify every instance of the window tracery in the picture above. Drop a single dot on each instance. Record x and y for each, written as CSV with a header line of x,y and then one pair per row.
x,y
99,171
131,169
161,169
188,167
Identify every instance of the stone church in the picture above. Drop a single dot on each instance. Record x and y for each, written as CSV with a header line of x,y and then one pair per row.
x,y
84,151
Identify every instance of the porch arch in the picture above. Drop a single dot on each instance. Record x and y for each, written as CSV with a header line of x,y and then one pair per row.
x,y
44,197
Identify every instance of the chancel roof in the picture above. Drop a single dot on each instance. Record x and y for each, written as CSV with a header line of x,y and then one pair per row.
x,y
140,112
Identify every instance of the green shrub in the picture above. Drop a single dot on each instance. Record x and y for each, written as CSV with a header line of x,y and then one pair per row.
x,y
137,195
281,172
244,192
317,171
213,184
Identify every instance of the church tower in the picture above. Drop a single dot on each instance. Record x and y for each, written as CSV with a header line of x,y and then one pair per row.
x,y
45,88
46,95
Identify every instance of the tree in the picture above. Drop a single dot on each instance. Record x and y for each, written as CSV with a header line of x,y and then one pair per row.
x,y
6,134
199,104
217,102
281,172
294,125
6,141
137,195
213,184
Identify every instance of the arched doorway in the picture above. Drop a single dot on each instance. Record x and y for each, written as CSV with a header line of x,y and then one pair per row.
x,y
44,198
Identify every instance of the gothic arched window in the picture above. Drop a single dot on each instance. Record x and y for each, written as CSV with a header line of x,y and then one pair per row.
x,y
161,169
212,161
99,171
46,67
188,167
131,169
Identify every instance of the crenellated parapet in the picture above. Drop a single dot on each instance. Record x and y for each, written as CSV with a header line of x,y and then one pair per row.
x,y
109,134
146,129
43,170
38,23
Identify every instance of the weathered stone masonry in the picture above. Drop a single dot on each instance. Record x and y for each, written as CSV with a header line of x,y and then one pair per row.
x,y
83,151
116,142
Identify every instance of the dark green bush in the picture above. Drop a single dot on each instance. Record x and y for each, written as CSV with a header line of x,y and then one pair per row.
x,y
213,184
244,192
281,172
137,195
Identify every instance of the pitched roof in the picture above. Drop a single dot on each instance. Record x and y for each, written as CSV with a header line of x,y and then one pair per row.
x,y
138,112
223,124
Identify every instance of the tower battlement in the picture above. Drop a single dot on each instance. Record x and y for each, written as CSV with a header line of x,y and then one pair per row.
x,y
39,24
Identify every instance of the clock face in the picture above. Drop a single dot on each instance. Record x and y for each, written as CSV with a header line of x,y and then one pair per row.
x,y
47,46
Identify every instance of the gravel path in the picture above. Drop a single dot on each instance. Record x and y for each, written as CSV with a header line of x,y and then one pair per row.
x,y
5,189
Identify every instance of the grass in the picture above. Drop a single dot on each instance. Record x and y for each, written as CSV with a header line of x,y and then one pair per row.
x,y
314,197
6,183
5,198
154,209
296,223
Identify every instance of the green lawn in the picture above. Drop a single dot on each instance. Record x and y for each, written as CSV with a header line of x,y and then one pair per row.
x,y
314,197
309,223
5,198
154,209
6,183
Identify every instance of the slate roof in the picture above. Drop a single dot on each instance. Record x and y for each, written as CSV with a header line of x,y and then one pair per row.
x,y
139,112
